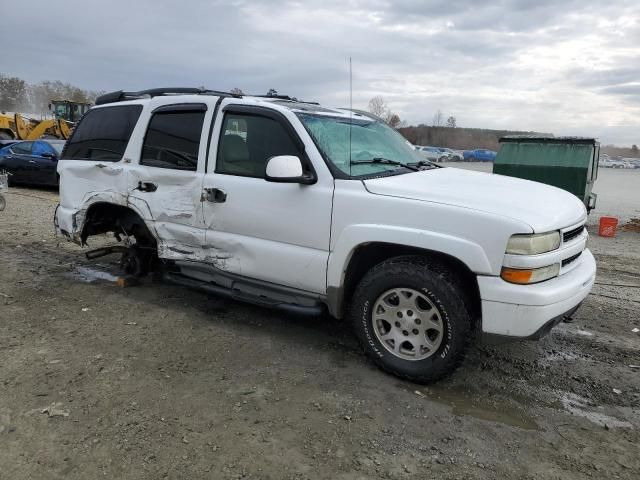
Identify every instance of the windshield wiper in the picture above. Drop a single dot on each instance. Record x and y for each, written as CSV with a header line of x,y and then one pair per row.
x,y
385,161
424,163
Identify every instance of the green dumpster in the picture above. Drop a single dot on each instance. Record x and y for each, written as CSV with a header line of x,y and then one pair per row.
x,y
570,163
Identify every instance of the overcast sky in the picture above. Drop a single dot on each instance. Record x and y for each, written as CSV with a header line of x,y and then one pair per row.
x,y
563,66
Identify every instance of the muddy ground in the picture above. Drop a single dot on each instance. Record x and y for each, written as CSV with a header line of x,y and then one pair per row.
x,y
156,381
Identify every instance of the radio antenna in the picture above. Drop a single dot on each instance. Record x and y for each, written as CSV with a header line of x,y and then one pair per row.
x,y
350,108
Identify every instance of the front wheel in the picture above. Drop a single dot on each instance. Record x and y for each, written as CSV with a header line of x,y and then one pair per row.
x,y
411,318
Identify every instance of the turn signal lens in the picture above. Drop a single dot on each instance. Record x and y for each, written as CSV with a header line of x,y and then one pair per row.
x,y
533,244
527,276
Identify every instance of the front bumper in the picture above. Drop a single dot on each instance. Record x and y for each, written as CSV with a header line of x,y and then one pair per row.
x,y
526,311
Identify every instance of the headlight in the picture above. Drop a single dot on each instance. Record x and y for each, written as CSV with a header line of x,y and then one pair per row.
x,y
533,244
532,275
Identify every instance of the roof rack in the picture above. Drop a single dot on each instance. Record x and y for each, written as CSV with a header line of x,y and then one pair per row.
x,y
121,96
286,98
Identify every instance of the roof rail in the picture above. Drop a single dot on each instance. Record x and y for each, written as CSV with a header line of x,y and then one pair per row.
x,y
283,97
121,96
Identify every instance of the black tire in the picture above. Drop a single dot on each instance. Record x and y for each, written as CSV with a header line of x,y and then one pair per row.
x,y
435,282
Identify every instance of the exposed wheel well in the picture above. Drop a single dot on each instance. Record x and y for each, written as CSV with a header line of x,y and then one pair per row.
x,y
106,217
367,256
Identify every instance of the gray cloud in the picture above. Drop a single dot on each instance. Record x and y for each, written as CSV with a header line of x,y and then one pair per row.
x,y
566,66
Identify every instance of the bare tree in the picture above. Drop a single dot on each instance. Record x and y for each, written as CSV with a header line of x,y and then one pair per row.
x,y
451,122
378,107
236,91
634,149
272,92
393,121
438,119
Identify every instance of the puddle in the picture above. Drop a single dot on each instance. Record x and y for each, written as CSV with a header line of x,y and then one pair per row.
x,y
577,405
477,406
91,275
559,356
584,333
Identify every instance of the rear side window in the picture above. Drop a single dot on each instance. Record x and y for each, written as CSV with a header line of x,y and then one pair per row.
x,y
103,134
173,140
22,148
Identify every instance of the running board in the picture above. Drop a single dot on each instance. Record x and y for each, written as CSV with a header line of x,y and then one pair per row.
x,y
251,293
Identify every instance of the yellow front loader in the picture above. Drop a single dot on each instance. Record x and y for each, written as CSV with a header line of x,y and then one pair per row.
x,y
19,127
66,114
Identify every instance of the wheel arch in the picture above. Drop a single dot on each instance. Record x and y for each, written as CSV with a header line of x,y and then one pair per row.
x,y
103,216
365,256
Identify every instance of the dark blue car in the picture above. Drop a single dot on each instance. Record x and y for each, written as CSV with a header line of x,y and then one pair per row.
x,y
479,155
32,162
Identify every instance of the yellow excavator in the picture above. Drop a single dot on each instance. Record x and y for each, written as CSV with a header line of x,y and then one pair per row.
x,y
65,115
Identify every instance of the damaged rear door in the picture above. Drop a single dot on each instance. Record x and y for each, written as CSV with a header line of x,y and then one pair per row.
x,y
165,180
92,168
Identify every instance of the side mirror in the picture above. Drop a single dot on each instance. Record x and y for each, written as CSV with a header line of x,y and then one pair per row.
x,y
287,169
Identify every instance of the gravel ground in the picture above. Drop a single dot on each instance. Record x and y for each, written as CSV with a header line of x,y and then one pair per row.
x,y
156,381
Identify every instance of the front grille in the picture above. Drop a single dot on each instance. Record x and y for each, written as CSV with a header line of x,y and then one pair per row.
x,y
571,259
571,234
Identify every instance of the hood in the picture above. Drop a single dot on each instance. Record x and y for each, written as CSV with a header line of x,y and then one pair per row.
x,y
541,206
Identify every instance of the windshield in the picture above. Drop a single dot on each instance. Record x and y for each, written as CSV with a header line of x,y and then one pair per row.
x,y
370,140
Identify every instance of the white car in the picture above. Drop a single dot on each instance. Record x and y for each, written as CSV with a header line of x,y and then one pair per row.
x,y
452,155
609,162
308,209
433,154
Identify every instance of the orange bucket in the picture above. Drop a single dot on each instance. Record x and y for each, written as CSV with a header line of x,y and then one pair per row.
x,y
608,226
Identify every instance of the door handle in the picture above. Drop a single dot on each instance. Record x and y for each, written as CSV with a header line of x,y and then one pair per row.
x,y
32,161
214,195
147,186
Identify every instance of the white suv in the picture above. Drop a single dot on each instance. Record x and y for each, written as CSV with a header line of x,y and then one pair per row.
x,y
291,205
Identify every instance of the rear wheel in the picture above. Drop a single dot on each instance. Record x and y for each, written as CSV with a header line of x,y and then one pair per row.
x,y
412,319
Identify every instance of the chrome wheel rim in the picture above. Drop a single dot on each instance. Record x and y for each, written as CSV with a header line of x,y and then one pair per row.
x,y
407,323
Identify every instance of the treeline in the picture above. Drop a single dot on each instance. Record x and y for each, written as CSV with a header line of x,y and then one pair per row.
x,y
614,151
17,95
458,138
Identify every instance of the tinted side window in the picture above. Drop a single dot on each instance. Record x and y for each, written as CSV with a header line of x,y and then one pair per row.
x,y
173,140
41,147
247,142
103,134
22,148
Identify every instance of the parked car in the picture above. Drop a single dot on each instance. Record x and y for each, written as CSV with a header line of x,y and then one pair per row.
x,y
479,155
418,258
434,154
32,162
452,155
608,162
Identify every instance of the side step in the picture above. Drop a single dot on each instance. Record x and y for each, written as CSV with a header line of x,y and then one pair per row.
x,y
264,297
